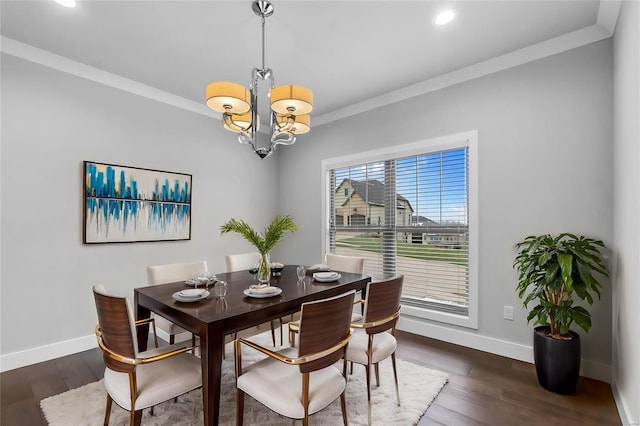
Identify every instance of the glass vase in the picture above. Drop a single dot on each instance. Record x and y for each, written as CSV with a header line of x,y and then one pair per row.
x,y
264,268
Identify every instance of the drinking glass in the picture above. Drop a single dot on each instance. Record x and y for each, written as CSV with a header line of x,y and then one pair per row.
x,y
301,271
220,288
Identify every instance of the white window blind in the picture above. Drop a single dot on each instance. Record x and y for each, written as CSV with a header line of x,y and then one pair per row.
x,y
407,215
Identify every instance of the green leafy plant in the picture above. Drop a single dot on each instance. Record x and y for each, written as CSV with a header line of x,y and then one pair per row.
x,y
266,241
555,269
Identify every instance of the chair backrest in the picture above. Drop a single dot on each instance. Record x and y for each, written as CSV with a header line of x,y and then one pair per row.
x,y
172,272
323,324
338,262
117,327
240,262
383,300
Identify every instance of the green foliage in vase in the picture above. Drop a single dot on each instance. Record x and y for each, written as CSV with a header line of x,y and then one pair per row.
x,y
555,269
266,241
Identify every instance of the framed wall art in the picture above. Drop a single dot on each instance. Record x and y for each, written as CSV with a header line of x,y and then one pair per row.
x,y
130,204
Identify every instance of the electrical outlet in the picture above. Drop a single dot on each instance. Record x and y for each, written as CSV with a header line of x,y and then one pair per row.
x,y
507,312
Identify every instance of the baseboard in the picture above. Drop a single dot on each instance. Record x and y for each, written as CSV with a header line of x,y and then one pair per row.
x,y
47,352
56,350
623,409
594,370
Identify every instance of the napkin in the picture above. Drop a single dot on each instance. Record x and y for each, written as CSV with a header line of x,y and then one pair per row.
x,y
318,267
325,275
263,289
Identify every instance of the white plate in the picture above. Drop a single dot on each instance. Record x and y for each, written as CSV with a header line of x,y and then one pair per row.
x,y
326,277
192,293
248,292
176,296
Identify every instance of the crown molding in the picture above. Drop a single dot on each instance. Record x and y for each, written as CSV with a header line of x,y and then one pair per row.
x,y
42,57
608,12
534,52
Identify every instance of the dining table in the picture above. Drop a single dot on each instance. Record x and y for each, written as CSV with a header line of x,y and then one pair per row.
x,y
212,318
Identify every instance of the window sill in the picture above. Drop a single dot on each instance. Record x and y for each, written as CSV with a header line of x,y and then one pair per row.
x,y
444,317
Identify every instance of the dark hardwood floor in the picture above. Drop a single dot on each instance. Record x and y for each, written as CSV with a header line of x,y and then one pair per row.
x,y
483,389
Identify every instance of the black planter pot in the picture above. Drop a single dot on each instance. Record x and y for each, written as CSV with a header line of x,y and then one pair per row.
x,y
557,361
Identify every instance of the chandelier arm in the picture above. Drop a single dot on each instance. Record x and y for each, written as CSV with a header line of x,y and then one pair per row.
x,y
244,139
228,119
286,126
281,139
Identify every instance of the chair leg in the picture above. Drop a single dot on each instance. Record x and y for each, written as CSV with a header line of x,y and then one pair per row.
x,y
273,333
343,397
239,407
343,405
107,412
281,341
395,377
368,375
172,339
136,418
305,398
377,370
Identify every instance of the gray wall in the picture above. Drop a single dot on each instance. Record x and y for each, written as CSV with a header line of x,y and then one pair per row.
x,y
626,247
545,166
51,122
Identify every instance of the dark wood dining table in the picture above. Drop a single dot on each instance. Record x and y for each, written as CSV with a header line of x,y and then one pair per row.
x,y
213,318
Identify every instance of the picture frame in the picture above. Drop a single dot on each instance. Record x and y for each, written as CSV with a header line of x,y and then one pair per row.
x,y
124,204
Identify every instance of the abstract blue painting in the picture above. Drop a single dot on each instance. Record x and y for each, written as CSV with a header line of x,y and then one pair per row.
x,y
130,204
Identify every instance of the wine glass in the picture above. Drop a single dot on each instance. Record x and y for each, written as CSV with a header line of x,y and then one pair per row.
x,y
301,272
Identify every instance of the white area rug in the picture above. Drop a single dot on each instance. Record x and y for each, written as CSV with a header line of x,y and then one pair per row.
x,y
419,386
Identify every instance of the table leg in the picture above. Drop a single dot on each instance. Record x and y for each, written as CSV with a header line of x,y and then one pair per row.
x,y
363,293
211,350
142,330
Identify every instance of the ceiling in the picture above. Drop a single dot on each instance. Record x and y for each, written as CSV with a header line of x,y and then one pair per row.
x,y
347,52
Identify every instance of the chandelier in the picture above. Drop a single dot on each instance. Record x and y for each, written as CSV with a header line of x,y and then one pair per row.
x,y
290,105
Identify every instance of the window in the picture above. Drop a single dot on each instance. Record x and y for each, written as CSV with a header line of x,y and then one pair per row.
x,y
411,211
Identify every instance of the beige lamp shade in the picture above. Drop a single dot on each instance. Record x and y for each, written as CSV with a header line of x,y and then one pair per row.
x,y
290,99
231,98
302,124
238,123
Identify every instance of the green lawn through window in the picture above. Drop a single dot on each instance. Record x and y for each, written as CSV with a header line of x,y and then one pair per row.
x,y
416,251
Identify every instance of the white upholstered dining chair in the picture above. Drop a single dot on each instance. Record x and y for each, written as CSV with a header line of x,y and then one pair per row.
x,y
352,264
138,380
337,262
240,262
169,273
374,337
297,383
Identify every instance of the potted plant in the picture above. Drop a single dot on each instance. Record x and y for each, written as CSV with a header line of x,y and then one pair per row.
x,y
264,242
557,271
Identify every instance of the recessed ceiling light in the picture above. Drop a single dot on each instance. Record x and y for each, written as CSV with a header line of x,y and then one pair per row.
x,y
445,17
67,3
